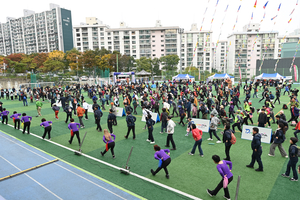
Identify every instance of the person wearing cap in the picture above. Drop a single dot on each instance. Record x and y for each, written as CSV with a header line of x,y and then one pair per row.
x,y
257,150
80,112
39,106
293,152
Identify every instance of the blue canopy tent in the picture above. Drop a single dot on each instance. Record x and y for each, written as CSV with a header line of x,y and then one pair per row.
x,y
183,77
269,76
220,76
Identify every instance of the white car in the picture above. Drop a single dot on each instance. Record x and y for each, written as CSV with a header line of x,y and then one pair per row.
x,y
84,78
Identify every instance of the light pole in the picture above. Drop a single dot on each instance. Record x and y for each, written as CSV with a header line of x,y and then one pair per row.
x,y
77,65
180,31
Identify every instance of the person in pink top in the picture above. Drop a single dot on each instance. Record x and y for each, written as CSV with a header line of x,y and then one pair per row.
x,y
197,135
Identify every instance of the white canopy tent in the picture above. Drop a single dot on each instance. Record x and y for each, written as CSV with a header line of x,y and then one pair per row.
x,y
220,76
275,76
183,77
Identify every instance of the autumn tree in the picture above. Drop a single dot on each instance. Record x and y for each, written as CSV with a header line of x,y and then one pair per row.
x,y
38,61
88,61
54,63
73,56
104,63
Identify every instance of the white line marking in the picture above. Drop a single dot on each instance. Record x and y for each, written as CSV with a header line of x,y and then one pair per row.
x,y
32,179
118,168
62,167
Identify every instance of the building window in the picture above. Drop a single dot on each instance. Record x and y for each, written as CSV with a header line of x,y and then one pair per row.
x,y
77,30
78,34
133,37
133,42
162,45
153,55
153,45
162,54
153,50
133,51
78,39
153,36
101,29
162,50
161,36
109,38
162,40
78,44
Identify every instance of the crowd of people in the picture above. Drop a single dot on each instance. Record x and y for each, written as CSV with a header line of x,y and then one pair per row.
x,y
218,101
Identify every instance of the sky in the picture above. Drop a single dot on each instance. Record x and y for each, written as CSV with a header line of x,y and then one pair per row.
x,y
138,13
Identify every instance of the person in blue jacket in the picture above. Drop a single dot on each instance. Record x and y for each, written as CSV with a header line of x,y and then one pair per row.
x,y
226,140
130,119
293,152
257,150
294,114
188,108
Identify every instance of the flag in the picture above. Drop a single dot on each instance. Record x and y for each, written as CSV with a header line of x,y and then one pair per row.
x,y
273,17
226,8
266,5
252,16
255,4
290,20
279,6
292,11
239,8
217,2
240,73
296,73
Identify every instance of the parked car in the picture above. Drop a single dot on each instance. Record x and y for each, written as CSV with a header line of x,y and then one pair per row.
x,y
84,78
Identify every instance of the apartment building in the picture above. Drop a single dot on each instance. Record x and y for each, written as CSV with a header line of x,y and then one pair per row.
x,y
219,56
37,32
151,42
248,46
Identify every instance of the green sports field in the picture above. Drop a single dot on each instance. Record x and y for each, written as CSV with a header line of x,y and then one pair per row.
x,y
189,174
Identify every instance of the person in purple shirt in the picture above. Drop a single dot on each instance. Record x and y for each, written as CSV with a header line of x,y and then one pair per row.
x,y
16,118
4,115
164,156
47,127
110,143
224,171
74,130
27,121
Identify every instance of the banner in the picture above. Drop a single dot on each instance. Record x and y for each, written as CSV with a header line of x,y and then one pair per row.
x,y
266,133
240,73
154,116
296,73
202,124
120,112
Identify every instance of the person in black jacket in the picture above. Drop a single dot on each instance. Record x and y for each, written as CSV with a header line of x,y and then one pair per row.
x,y
279,138
279,120
150,122
130,119
68,111
110,119
277,96
293,151
226,140
98,114
262,118
257,150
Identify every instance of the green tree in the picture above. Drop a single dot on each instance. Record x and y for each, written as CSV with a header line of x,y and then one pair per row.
x,y
89,61
143,64
53,66
155,62
170,62
130,64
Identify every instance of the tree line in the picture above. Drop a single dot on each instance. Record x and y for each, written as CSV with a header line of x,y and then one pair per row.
x,y
86,62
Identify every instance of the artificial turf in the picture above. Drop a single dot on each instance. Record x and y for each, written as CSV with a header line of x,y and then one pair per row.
x,y
190,174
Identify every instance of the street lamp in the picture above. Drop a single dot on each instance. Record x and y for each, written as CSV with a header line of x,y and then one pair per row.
x,y
180,31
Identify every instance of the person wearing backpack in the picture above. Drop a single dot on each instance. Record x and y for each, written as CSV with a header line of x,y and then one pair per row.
x,y
257,150
227,140
197,135
130,119
293,154
98,114
214,121
164,120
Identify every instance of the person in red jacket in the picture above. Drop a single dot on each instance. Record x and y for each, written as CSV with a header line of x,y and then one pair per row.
x,y
297,129
197,135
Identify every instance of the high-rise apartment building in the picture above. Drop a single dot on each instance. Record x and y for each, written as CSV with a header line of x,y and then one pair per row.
x,y
37,32
248,46
219,56
151,42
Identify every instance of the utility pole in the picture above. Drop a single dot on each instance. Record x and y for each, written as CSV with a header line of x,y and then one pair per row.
x,y
180,31
117,63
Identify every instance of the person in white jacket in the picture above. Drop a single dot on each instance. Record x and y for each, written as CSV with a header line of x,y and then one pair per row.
x,y
85,105
170,130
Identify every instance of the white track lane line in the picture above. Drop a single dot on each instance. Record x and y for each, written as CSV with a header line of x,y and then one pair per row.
x,y
118,168
63,167
32,179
